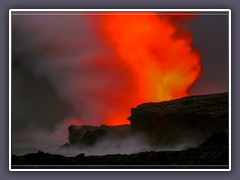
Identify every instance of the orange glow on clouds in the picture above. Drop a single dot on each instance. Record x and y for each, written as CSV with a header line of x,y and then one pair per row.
x,y
159,55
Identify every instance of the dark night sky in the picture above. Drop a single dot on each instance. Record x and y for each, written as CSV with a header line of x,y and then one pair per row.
x,y
35,103
210,34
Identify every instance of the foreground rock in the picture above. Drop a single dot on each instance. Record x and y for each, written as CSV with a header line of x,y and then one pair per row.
x,y
191,119
80,136
211,152
176,124
199,122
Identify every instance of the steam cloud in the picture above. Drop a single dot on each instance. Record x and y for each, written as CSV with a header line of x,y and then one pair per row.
x,y
56,76
68,54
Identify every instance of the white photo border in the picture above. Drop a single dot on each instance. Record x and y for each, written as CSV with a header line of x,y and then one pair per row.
x,y
120,10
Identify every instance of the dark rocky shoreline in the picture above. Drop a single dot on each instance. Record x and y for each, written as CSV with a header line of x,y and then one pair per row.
x,y
211,152
202,118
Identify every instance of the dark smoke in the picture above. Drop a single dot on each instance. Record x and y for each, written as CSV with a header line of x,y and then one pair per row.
x,y
67,52
56,75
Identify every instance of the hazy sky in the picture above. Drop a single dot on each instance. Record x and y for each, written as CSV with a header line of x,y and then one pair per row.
x,y
210,34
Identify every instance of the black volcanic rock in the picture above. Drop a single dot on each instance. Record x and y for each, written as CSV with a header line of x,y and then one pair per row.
x,y
175,124
90,135
217,139
209,153
202,119
175,121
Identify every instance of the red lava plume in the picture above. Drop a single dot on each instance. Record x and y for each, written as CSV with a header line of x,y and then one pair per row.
x,y
158,59
158,53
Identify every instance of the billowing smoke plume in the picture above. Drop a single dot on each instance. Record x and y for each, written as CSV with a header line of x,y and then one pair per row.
x,y
67,52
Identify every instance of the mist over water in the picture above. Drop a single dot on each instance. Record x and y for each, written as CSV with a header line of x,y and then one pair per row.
x,y
46,141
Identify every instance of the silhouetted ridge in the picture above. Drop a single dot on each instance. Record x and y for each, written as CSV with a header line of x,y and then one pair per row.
x,y
193,118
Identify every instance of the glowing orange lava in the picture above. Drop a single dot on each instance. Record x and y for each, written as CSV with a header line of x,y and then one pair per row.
x,y
158,55
164,64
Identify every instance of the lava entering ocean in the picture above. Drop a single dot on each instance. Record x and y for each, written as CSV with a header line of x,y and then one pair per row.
x,y
158,53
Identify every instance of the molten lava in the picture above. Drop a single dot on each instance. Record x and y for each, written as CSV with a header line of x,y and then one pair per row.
x,y
158,55
158,52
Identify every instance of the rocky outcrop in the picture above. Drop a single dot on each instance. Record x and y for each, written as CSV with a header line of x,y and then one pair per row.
x,y
200,120
175,124
186,119
216,139
90,135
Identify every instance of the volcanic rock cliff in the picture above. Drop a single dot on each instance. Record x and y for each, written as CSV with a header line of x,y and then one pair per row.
x,y
187,119
90,135
183,122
